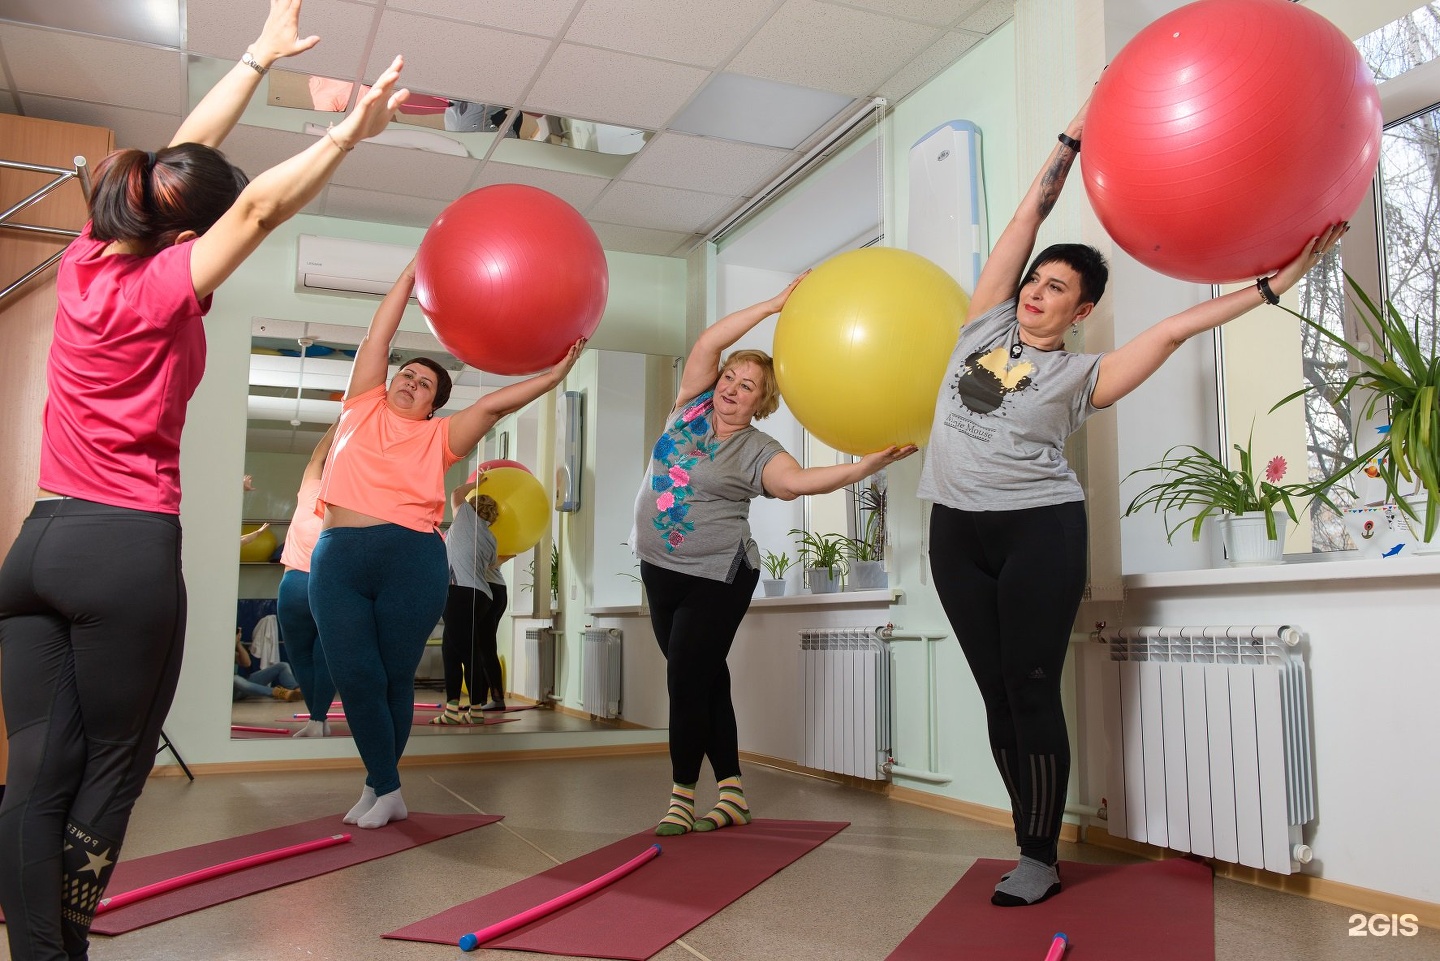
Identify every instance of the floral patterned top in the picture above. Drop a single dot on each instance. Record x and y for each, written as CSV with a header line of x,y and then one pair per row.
x,y
693,515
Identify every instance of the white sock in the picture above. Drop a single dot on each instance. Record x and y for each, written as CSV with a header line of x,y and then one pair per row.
x,y
366,802
387,808
314,728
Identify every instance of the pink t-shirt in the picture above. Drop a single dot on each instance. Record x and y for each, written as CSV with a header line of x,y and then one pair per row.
x,y
304,528
386,465
129,350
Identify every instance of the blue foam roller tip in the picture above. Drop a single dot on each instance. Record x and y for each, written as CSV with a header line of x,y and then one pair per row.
x,y
468,942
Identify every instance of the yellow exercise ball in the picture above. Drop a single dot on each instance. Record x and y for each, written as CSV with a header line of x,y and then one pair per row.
x,y
524,510
261,548
862,344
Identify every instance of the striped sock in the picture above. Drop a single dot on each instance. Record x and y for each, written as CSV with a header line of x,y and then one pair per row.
x,y
729,810
680,817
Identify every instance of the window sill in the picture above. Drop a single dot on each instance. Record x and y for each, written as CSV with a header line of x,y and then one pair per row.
x,y
879,598
1342,567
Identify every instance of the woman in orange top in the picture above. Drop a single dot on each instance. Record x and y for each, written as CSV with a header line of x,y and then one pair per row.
x,y
379,575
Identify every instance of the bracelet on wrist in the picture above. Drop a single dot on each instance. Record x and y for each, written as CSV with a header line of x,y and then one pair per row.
x,y
330,133
1070,142
1268,295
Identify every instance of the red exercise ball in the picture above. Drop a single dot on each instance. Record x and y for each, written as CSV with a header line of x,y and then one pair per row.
x,y
510,276
1228,133
497,462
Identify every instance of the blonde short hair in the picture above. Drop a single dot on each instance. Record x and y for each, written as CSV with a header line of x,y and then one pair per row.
x,y
769,390
486,507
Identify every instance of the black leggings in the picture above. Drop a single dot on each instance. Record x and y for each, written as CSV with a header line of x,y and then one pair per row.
x,y
487,651
695,620
466,611
92,625
1011,584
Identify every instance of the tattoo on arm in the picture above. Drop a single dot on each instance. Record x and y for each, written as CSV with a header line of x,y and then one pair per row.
x,y
1051,180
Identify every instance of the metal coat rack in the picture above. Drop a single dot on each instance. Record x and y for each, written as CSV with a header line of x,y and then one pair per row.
x,y
61,175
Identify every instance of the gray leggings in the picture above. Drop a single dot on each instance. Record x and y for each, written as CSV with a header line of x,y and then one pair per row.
x,y
92,625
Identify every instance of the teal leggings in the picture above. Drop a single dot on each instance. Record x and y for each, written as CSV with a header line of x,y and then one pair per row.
x,y
377,593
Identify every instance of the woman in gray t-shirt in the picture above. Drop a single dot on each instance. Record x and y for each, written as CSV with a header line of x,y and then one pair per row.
x,y
1008,532
697,559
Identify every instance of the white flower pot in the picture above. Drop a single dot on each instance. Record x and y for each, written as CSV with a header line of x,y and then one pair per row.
x,y
821,582
774,587
1246,543
867,576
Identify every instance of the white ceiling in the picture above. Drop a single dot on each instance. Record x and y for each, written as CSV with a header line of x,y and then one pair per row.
x,y
637,63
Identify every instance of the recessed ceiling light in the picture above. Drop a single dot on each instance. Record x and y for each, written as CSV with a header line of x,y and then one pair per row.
x,y
736,107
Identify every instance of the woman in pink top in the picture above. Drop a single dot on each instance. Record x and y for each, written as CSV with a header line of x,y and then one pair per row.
x,y
379,574
292,606
92,602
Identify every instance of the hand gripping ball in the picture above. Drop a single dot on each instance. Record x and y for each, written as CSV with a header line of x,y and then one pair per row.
x,y
510,276
524,510
862,344
261,548
1228,133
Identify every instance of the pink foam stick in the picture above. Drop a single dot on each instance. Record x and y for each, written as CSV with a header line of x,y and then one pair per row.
x,y
473,940
215,871
259,730
1057,948
333,715
430,707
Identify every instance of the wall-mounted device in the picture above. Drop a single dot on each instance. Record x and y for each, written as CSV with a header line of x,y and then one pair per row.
x,y
569,445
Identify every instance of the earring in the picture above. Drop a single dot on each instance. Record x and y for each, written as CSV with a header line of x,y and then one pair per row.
x,y
1075,327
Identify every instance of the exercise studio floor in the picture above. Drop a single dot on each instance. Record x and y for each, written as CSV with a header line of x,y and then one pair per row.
x,y
855,897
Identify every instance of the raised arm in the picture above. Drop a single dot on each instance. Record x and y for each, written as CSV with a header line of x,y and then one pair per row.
x,y
316,464
1000,277
372,358
470,425
702,367
216,115
280,192
785,479
1127,367
458,495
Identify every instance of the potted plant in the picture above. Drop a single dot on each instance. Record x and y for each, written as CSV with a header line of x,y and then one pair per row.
x,y
823,557
775,565
1251,510
866,553
1407,380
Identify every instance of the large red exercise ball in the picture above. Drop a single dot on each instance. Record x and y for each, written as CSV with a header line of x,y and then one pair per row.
x,y
497,462
861,347
510,276
524,510
1228,133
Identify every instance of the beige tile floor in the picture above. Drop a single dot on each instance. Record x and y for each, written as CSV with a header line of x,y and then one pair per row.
x,y
855,897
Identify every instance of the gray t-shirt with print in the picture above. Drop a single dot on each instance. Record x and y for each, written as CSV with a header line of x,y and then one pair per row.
x,y
470,548
1001,421
693,513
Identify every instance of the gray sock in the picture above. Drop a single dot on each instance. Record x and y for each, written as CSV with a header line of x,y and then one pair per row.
x,y
1030,883
362,806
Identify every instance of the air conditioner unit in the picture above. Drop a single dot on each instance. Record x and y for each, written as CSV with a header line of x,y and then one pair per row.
x,y
337,265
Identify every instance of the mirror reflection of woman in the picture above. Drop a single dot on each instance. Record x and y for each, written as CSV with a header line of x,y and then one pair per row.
x,y
471,550
92,598
379,573
297,624
698,562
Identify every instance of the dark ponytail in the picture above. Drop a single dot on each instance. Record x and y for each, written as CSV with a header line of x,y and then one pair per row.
x,y
150,199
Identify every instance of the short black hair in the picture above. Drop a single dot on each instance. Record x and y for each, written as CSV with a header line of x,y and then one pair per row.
x,y
443,383
1085,260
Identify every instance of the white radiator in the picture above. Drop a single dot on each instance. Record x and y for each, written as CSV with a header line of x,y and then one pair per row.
x,y
539,665
601,693
845,675
1209,736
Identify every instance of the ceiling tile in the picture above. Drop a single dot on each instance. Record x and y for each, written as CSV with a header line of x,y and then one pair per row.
x,y
642,240
541,17
753,110
680,160
257,149
457,60
76,67
699,32
941,54
144,21
224,28
841,49
577,190
348,203
663,208
989,16
940,13
616,88
137,129
401,170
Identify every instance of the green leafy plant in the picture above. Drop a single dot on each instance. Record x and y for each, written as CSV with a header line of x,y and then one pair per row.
x,y
554,569
822,552
870,545
1196,481
776,564
1407,379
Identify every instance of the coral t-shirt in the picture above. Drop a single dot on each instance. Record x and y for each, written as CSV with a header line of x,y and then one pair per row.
x,y
386,465
128,353
304,528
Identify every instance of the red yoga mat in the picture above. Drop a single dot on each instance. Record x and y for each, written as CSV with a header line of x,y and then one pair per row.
x,y
364,846
486,721
1109,912
637,916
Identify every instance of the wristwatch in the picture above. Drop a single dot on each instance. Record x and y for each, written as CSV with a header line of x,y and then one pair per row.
x,y
248,59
